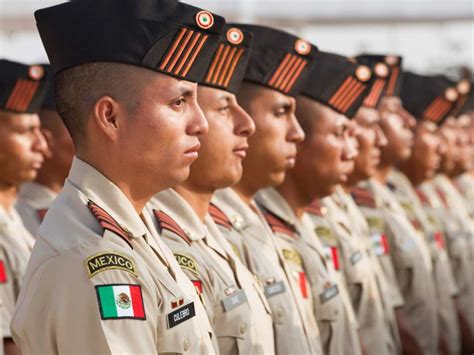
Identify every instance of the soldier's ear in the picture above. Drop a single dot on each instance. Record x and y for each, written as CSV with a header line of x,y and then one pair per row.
x,y
106,116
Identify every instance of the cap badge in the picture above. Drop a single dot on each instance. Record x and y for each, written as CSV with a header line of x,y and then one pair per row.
x,y
464,86
235,36
451,94
204,19
381,70
391,60
302,47
35,72
363,73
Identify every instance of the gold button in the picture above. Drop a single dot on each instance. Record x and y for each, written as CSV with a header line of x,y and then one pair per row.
x,y
243,328
185,345
279,312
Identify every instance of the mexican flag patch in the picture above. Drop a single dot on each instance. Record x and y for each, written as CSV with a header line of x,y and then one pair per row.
x,y
120,301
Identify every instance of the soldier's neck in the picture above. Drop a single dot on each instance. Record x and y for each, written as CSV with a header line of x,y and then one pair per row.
x,y
198,199
245,192
382,173
52,182
294,196
8,195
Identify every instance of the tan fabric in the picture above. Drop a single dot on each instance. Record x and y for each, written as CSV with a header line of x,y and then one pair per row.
x,y
33,201
59,310
459,236
362,282
388,287
427,224
16,244
295,330
338,333
412,261
245,329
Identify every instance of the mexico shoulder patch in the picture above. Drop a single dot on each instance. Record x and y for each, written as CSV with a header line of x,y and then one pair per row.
x,y
118,301
110,260
186,262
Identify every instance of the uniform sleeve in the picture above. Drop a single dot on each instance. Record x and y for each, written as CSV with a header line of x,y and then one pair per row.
x,y
63,310
7,296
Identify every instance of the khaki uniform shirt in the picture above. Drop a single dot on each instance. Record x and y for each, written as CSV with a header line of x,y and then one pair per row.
x,y
465,184
98,282
33,202
246,230
458,239
411,258
361,280
427,224
16,244
234,302
338,332
389,291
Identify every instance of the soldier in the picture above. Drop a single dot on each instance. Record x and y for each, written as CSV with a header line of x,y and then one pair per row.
x,y
34,198
234,302
418,93
234,210
22,89
98,280
398,238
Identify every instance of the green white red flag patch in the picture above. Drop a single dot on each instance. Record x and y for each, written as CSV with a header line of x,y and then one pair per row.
x,y
119,301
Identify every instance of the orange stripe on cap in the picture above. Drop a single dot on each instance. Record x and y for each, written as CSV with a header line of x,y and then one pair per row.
x,y
194,55
347,97
29,94
341,89
375,92
441,110
355,95
342,97
393,81
170,53
432,107
180,50
214,62
233,66
279,69
221,63
290,73
187,53
13,95
226,67
285,71
295,77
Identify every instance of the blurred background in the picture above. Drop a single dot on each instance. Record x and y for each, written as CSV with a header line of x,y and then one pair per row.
x,y
433,36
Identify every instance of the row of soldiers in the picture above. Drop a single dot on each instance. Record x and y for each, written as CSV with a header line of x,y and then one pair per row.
x,y
192,186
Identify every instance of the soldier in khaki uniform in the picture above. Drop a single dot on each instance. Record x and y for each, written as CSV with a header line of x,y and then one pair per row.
x,y
329,141
34,198
409,252
98,280
238,217
235,303
22,146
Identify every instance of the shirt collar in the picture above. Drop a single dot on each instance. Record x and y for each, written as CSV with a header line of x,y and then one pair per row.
x,y
108,196
37,195
272,200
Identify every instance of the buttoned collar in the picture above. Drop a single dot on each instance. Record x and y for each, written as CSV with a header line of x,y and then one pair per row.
x,y
108,196
174,205
36,195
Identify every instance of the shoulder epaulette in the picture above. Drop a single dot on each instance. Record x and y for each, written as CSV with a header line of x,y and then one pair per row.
x,y
41,213
442,196
423,198
219,216
315,208
363,197
107,222
279,225
168,223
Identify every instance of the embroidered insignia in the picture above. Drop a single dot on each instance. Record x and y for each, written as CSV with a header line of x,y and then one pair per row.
x,y
375,223
440,106
302,47
463,87
186,262
219,216
315,208
332,254
392,82
287,72
375,92
379,244
381,70
451,94
22,94
41,213
391,60
423,198
204,19
107,222
363,197
168,223
326,235
35,72
292,256
348,92
120,301
303,284
223,65
177,302
181,315
110,260
278,225
3,273
442,196
234,36
363,73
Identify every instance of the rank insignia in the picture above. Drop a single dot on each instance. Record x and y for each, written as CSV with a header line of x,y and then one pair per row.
x,y
120,301
278,225
110,260
363,197
219,216
165,222
177,302
41,213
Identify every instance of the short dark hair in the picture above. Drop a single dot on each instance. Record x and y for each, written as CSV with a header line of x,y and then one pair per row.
x,y
77,89
307,113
